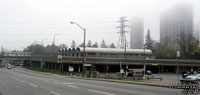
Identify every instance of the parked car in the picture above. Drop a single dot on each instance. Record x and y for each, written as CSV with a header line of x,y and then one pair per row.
x,y
9,67
191,77
185,74
198,76
148,72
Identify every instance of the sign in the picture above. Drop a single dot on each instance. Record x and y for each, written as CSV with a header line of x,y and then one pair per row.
x,y
178,53
87,64
107,68
121,70
154,64
71,68
59,57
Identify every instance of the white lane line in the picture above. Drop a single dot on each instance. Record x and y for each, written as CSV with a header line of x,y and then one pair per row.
x,y
16,79
56,82
33,85
11,77
54,93
72,86
67,83
22,81
40,78
101,92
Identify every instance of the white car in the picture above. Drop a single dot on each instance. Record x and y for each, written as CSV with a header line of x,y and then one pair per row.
x,y
198,76
192,77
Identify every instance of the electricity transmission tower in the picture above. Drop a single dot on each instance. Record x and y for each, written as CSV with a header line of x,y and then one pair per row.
x,y
122,37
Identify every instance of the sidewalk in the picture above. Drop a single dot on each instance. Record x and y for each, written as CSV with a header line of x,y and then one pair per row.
x,y
146,82
170,79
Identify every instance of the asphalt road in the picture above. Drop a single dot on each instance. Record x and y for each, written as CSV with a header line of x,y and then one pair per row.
x,y
19,82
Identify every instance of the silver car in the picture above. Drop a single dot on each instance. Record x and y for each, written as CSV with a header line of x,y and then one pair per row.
x,y
192,77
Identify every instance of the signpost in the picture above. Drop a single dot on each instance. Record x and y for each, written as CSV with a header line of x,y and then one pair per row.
x,y
177,69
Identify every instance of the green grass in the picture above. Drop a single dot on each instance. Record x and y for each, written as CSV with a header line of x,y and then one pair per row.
x,y
59,73
45,70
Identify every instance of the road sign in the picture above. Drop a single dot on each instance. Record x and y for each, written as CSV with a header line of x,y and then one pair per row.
x,y
107,68
121,70
71,68
59,57
178,53
87,64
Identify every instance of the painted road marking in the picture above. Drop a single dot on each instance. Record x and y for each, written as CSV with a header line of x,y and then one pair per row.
x,y
118,89
33,85
54,93
22,81
66,83
72,86
101,92
56,82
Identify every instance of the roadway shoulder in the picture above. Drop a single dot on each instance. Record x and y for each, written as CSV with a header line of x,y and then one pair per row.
x,y
108,80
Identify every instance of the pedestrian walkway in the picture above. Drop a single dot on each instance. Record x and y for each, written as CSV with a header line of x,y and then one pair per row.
x,y
166,78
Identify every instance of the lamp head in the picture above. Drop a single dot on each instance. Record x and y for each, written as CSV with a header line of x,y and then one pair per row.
x,y
72,22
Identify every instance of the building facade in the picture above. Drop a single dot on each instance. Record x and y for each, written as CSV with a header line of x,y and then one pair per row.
x,y
137,33
176,25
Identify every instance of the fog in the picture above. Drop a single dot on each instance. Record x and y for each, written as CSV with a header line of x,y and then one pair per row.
x,y
22,22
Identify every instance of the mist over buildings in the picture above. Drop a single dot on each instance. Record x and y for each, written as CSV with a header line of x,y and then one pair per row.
x,y
23,22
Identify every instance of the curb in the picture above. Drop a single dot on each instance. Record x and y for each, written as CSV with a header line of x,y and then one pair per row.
x,y
44,73
98,79
129,82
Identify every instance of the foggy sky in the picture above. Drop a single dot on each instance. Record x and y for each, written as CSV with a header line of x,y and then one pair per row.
x,y
23,22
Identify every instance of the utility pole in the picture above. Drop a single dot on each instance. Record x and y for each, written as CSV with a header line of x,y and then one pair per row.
x,y
122,37
144,61
177,68
84,56
122,32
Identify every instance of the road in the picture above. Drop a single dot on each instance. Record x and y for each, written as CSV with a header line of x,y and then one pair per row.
x,y
16,81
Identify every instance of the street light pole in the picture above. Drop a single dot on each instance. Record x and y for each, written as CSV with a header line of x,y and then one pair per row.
x,y
84,29
53,43
43,41
144,61
54,38
125,58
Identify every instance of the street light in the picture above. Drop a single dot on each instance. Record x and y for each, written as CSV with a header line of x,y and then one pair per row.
x,y
43,41
54,38
53,44
84,41
144,61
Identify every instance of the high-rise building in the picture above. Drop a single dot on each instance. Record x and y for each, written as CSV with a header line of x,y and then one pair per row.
x,y
196,33
176,25
137,33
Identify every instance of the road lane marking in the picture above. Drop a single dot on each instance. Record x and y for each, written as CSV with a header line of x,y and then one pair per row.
x,y
72,86
56,82
118,89
22,81
33,85
54,93
66,83
101,92
16,79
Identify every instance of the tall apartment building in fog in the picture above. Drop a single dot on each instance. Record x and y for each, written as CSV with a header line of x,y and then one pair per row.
x,y
176,23
137,33
196,33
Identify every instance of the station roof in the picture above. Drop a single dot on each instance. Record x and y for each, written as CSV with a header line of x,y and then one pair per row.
x,y
116,50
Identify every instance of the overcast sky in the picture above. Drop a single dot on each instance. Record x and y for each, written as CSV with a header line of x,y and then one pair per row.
x,y
23,22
